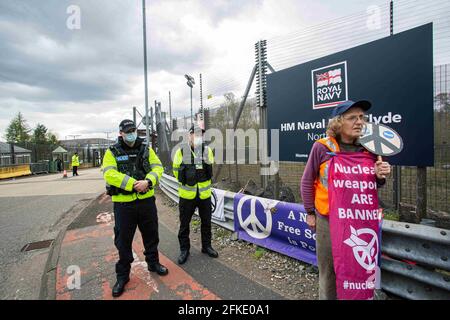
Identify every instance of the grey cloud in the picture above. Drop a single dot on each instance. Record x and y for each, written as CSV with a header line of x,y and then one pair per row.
x,y
91,64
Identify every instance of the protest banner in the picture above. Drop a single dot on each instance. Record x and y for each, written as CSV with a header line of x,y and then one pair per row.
x,y
355,224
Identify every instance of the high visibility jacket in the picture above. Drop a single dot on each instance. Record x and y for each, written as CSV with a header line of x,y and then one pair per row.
x,y
321,183
121,180
201,185
75,161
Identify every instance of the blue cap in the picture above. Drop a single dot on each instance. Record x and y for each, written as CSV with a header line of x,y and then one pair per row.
x,y
344,106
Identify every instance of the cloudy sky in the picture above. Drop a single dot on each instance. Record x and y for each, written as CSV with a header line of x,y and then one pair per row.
x,y
84,81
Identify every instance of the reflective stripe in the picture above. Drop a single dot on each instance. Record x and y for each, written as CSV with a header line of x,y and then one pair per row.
x,y
124,183
204,189
155,165
187,188
109,168
331,145
155,175
176,169
324,178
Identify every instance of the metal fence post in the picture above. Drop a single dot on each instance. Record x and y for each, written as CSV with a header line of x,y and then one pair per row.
x,y
421,207
397,184
261,85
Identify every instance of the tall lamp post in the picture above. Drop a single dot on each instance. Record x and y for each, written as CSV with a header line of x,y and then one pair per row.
x,y
190,82
144,27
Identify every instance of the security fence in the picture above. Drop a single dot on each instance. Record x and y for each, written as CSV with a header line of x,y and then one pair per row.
x,y
33,158
224,95
90,154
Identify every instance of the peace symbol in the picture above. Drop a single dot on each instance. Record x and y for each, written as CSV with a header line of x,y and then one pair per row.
x,y
381,140
257,229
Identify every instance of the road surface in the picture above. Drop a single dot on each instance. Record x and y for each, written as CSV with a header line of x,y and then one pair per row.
x,y
33,209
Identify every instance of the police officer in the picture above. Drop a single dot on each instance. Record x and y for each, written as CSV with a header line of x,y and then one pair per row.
x,y
192,166
75,164
131,170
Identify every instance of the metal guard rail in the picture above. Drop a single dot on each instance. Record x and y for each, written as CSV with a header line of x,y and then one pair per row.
x,y
415,258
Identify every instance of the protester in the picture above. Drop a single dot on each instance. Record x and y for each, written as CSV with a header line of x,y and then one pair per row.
x,y
59,164
343,132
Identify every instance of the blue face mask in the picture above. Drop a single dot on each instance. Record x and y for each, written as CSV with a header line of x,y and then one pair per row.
x,y
130,137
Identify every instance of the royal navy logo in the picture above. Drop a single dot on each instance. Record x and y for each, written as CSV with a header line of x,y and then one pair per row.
x,y
329,85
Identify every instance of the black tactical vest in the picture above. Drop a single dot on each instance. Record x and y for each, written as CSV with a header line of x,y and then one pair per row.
x,y
131,161
189,173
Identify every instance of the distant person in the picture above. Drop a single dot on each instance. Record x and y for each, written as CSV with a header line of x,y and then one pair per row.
x,y
192,166
75,164
59,164
131,170
343,133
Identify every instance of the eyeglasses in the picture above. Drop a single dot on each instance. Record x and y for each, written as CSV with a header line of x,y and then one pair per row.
x,y
354,118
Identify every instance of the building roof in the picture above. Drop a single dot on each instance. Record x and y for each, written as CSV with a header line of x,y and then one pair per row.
x,y
6,148
85,142
59,150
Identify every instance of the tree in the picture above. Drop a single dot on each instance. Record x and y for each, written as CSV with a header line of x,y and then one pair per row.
x,y
39,134
18,130
442,102
52,138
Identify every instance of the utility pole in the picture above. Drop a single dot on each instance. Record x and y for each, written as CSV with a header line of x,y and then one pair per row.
x,y
134,115
170,112
147,135
201,103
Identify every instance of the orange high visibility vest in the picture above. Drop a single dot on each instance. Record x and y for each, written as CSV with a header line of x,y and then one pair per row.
x,y
321,183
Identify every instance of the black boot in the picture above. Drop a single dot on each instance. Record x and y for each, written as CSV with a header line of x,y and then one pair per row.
x,y
210,252
158,268
183,256
119,287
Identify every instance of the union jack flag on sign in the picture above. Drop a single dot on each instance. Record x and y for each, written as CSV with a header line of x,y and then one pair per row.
x,y
330,77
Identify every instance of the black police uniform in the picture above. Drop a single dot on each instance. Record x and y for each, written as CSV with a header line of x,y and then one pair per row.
x,y
190,175
137,213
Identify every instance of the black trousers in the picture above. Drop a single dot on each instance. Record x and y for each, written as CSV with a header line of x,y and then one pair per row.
x,y
74,171
128,216
187,209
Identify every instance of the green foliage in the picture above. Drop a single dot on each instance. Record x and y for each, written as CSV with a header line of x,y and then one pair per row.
x,y
259,253
18,130
39,134
222,233
52,138
195,223
391,215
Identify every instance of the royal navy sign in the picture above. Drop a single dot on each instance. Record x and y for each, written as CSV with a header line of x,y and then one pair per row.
x,y
394,73
329,85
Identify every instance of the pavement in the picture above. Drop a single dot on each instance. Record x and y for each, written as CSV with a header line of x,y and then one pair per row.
x,y
81,266
32,209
